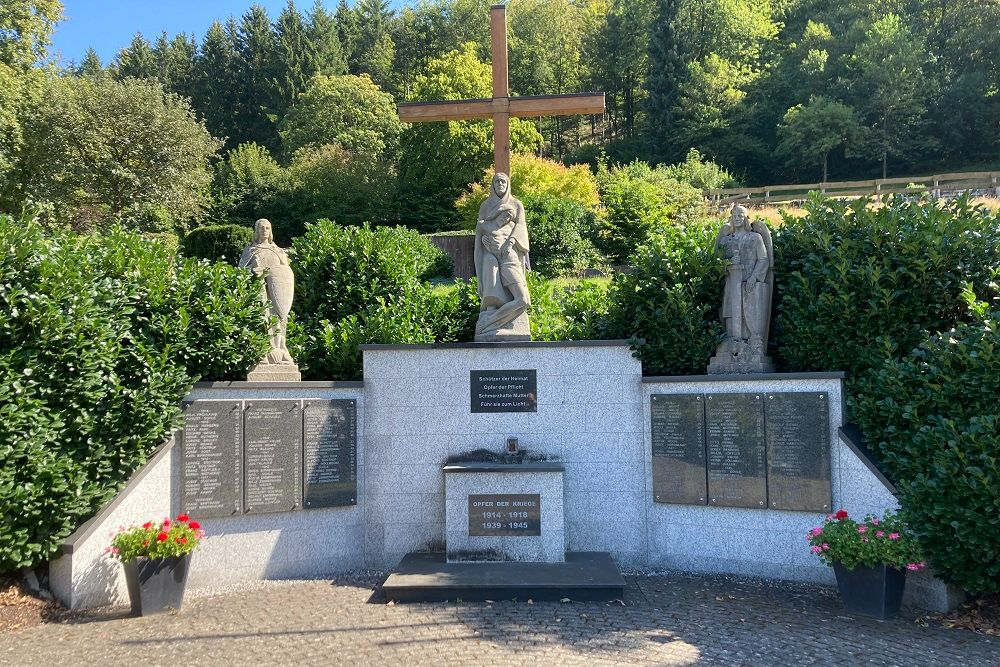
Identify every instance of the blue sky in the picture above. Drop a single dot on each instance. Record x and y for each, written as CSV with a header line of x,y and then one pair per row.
x,y
109,25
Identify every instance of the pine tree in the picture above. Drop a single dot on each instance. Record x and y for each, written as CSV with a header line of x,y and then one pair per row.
x,y
667,71
91,64
257,67
325,49
294,62
347,30
175,62
374,50
216,82
136,60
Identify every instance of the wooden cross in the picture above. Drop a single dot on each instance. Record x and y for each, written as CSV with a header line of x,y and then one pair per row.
x,y
502,107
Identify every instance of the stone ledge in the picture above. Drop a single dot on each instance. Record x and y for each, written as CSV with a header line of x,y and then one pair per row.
x,y
339,384
494,346
529,466
665,379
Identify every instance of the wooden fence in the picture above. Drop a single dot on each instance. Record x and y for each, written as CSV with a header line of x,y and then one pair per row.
x,y
460,249
935,185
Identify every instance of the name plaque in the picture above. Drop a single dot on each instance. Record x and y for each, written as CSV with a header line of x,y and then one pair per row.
x,y
504,391
330,442
505,515
212,455
798,451
272,456
736,461
677,431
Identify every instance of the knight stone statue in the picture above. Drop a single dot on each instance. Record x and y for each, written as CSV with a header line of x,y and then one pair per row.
x,y
746,303
501,254
266,259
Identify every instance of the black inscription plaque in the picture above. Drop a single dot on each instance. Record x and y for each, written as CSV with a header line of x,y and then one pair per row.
x,y
330,443
504,391
273,456
798,451
735,437
505,515
212,455
677,431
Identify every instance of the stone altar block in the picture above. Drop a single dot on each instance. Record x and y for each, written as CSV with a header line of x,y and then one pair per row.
x,y
505,512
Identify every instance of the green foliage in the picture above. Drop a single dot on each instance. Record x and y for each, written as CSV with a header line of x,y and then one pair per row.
x,y
934,419
218,243
862,284
358,285
157,539
568,310
640,201
561,232
349,111
700,172
532,175
100,339
671,300
873,541
248,185
100,150
809,132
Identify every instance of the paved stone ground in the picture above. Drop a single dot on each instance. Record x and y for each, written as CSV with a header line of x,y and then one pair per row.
x,y
664,620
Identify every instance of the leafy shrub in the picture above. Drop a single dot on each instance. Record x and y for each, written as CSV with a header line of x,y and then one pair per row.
x,y
639,201
248,185
532,175
100,339
360,285
671,300
700,173
934,418
859,285
560,231
218,243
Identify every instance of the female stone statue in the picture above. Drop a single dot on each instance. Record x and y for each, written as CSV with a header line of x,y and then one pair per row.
x,y
746,303
265,258
500,254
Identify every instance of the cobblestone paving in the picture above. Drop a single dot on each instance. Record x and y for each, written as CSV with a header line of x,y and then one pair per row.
x,y
664,620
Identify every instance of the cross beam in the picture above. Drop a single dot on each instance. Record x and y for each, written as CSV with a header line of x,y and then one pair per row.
x,y
502,107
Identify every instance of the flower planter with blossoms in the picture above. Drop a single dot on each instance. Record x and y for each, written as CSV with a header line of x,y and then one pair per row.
x,y
870,560
155,556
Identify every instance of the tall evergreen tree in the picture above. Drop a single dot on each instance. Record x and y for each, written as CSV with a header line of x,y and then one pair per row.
x,y
136,60
667,72
216,80
257,66
325,49
294,60
175,62
374,49
90,65
347,30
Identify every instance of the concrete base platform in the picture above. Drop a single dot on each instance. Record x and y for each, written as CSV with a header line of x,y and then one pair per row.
x,y
585,576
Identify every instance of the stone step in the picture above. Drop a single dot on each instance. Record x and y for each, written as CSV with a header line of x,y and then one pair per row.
x,y
585,576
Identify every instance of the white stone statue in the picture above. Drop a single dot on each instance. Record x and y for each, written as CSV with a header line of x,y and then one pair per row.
x,y
501,252
746,303
266,259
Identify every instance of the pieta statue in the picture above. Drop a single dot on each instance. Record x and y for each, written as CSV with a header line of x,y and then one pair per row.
x,y
746,302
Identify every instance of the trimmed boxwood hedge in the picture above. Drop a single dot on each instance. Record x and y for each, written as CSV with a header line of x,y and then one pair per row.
x,y
218,243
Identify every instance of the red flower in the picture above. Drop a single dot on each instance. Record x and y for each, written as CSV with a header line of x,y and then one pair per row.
x,y
182,540
840,515
183,518
162,537
147,525
194,525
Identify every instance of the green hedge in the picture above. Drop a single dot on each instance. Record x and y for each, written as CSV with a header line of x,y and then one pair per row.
x,y
671,301
218,243
561,231
934,417
100,339
859,284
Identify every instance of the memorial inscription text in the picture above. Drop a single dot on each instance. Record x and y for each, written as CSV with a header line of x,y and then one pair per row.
x,y
505,515
504,391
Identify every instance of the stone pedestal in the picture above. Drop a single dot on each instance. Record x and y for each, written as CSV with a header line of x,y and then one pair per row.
x,y
505,512
274,373
726,365
516,330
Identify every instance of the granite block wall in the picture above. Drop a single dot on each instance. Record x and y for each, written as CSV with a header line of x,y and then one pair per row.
x,y
589,416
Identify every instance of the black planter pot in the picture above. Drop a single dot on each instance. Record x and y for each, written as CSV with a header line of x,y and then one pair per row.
x,y
156,585
872,591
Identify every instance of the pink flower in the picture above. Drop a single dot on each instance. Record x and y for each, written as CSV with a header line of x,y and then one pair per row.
x,y
816,531
829,517
913,567
874,522
893,536
862,528
825,547
816,550
166,523
879,533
